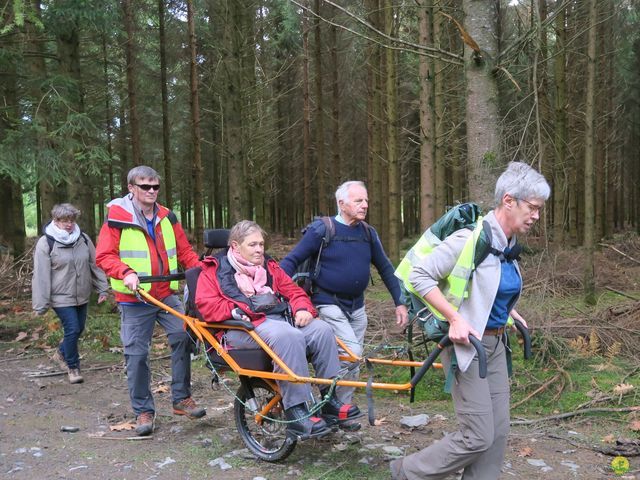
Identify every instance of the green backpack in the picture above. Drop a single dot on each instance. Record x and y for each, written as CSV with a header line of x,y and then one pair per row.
x,y
465,215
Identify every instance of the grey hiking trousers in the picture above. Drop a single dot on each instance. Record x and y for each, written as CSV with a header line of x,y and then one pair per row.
x,y
293,345
136,330
482,409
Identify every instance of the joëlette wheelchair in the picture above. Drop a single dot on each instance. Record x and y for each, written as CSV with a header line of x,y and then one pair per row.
x,y
258,410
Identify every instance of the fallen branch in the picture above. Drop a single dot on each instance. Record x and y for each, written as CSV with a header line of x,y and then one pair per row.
x,y
622,294
618,251
58,373
626,448
90,369
101,437
576,413
541,388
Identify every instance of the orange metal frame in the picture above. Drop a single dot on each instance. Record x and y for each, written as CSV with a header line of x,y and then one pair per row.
x,y
203,331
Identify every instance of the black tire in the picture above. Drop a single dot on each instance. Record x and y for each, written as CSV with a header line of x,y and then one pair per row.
x,y
267,439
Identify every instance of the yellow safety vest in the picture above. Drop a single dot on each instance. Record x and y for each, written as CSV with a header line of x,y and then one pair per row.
x,y
134,251
454,287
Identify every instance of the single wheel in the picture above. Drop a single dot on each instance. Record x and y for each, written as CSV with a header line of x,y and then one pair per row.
x,y
265,438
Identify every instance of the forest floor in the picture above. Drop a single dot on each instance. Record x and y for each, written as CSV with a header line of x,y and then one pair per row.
x,y
36,401
32,446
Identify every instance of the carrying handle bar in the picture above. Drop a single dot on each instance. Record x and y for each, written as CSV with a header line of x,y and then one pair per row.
x,y
526,338
161,278
445,342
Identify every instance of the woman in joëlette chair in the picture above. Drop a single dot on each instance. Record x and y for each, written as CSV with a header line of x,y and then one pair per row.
x,y
245,284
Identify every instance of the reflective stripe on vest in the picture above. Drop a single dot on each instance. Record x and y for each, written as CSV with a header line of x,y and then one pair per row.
x,y
453,287
134,251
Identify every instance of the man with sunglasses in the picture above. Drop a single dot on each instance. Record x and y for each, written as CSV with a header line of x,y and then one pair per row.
x,y
139,238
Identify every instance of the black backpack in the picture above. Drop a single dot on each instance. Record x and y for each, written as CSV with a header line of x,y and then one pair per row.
x,y
307,272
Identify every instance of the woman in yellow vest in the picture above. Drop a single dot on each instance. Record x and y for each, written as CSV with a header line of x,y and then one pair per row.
x,y
481,405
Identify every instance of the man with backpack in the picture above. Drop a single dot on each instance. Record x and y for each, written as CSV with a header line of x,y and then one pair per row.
x,y
348,246
476,299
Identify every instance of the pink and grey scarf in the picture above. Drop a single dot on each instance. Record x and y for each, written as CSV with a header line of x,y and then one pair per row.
x,y
251,279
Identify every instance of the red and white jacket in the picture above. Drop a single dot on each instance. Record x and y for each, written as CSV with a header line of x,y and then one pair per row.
x,y
122,214
215,305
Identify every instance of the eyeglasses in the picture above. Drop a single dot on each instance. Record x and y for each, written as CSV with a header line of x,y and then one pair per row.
x,y
146,187
533,208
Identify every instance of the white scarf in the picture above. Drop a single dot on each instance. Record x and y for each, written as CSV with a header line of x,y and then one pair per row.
x,y
62,236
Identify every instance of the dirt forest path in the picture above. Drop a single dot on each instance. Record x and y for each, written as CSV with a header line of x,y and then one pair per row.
x,y
32,445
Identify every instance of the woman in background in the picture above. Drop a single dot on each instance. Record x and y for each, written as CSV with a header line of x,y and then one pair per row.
x,y
64,271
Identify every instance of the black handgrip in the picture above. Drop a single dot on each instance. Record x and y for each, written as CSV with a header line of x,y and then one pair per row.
x,y
482,356
161,278
445,342
526,338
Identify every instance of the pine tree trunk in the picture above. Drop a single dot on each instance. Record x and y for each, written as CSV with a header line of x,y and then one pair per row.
x,y
321,161
483,137
440,167
589,167
108,121
427,194
195,130
50,191
12,231
337,168
306,123
129,23
560,183
80,186
374,116
166,132
234,32
395,222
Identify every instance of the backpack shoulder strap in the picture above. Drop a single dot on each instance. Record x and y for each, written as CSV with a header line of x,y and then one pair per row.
x,y
367,231
329,229
50,242
483,246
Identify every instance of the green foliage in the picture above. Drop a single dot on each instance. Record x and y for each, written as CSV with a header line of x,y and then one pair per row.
x,y
17,11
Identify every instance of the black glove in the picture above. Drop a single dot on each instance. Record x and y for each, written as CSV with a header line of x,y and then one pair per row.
x,y
238,314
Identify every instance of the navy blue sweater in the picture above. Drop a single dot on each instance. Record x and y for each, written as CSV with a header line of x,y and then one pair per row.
x,y
345,264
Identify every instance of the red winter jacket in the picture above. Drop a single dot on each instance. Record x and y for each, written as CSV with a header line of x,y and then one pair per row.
x,y
122,214
215,305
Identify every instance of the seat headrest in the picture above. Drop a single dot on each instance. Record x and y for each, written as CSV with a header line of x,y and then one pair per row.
x,y
216,238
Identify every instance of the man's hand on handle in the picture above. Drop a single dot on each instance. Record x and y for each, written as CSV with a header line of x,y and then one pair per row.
x,y
131,281
402,316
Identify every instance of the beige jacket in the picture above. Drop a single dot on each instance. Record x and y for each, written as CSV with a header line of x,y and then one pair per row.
x,y
65,277
483,286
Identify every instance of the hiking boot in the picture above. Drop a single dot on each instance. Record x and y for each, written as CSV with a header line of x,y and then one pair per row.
x,y
189,407
144,423
74,376
59,360
305,426
335,412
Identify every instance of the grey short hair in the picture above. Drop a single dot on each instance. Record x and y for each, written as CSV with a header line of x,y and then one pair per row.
x,y
142,171
243,229
63,211
521,182
342,193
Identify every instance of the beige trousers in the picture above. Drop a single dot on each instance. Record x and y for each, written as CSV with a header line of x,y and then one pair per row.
x,y
482,409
